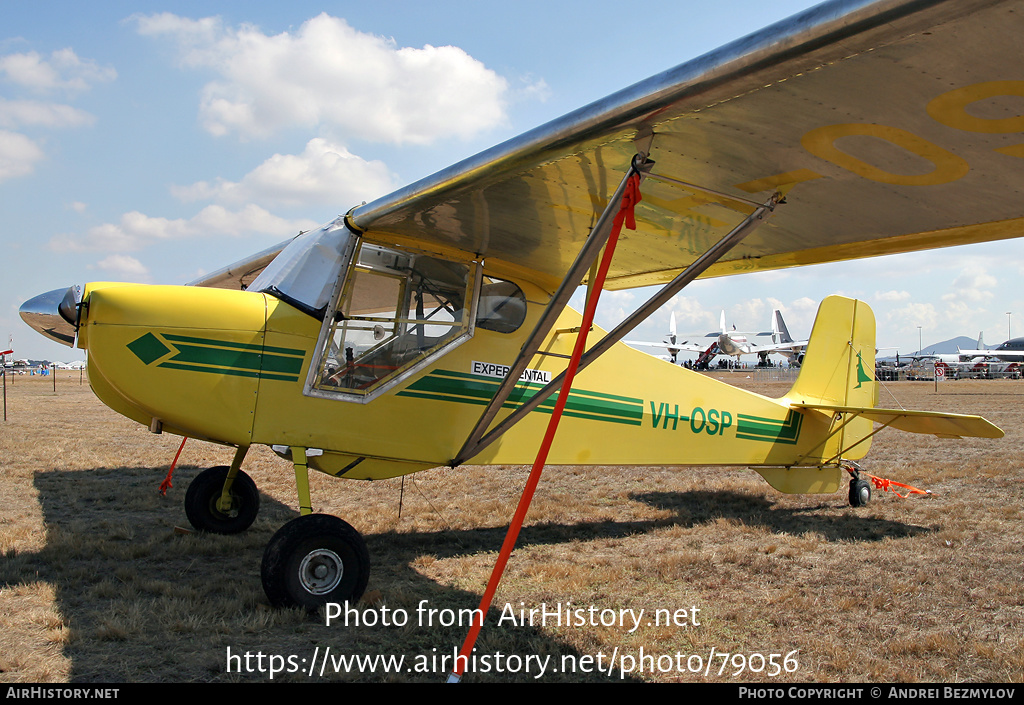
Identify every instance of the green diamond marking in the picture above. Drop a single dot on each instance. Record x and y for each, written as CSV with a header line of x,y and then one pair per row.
x,y
148,348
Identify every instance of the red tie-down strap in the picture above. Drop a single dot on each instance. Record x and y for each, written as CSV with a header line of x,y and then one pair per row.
x,y
885,485
166,484
631,196
626,216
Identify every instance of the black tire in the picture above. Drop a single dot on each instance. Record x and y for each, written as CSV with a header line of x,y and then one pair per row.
x,y
860,493
313,560
203,493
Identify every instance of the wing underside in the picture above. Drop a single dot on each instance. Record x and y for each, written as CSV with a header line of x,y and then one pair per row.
x,y
681,347
889,126
240,274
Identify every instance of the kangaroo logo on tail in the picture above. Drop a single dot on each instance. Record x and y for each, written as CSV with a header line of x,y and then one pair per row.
x,y
862,375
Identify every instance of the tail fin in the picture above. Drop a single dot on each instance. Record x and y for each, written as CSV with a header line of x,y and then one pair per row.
x,y
839,365
981,340
839,370
837,379
780,334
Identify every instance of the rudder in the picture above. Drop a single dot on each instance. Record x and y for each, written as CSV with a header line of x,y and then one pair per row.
x,y
839,364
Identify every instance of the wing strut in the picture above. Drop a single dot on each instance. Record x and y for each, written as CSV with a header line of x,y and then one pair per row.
x,y
624,217
477,441
584,260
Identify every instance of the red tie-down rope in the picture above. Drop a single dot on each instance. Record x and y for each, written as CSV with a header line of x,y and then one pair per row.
x,y
166,484
885,485
625,216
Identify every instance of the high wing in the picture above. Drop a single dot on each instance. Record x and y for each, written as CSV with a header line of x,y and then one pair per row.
x,y
793,347
673,345
723,329
680,347
240,274
889,125
998,354
976,353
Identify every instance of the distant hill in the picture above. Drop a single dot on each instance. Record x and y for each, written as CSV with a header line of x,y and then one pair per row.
x,y
949,347
946,347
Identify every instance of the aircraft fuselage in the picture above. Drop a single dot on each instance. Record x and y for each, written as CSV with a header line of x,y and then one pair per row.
x,y
231,367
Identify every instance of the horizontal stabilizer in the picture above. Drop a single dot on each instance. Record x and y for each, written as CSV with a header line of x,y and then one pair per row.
x,y
943,425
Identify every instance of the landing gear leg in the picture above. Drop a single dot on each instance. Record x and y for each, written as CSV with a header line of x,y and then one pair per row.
x,y
223,500
302,480
315,559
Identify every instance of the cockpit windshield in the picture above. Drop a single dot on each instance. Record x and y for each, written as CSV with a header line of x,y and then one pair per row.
x,y
388,310
397,308
304,274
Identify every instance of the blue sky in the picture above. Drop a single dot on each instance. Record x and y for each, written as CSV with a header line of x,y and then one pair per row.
x,y
155,142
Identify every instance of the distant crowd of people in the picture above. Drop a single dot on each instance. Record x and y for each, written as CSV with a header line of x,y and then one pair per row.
x,y
728,363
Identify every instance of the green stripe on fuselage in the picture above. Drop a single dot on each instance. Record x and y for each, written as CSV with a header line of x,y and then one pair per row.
x,y
443,385
759,428
221,357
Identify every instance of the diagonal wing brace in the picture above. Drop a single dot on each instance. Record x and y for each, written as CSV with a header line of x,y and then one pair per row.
x,y
584,260
477,439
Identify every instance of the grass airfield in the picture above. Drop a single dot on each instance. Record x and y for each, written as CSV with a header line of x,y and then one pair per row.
x,y
96,584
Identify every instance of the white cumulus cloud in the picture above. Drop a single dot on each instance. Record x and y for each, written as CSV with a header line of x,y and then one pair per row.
x,y
328,75
974,284
912,316
325,173
18,155
750,316
63,70
123,265
892,295
18,113
691,316
136,230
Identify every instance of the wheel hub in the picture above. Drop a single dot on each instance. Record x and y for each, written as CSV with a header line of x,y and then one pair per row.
x,y
321,571
228,506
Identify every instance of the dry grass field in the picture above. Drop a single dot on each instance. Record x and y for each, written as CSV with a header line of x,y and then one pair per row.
x,y
97,586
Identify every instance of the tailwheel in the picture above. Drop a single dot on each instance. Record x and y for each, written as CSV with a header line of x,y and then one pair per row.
x,y
313,560
207,511
860,492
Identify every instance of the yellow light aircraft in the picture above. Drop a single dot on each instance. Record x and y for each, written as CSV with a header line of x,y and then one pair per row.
x,y
430,327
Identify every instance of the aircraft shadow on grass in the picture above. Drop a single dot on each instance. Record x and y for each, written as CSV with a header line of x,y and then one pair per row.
x,y
145,604
701,507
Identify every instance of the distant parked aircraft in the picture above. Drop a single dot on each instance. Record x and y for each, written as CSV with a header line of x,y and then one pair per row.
x,y
732,342
1010,351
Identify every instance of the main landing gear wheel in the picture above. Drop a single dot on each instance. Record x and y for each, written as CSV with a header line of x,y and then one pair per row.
x,y
313,560
860,493
204,493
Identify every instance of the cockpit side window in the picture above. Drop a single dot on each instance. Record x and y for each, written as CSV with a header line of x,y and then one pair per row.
x,y
396,309
502,306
